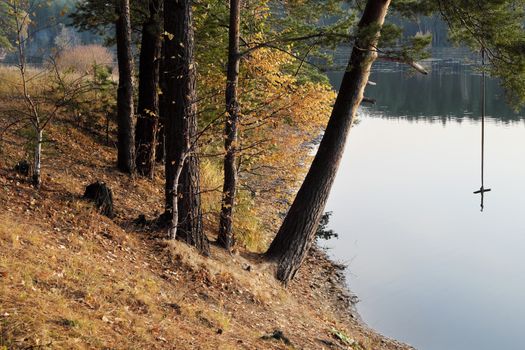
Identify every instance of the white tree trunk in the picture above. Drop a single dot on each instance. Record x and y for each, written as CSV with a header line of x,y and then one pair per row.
x,y
37,179
172,232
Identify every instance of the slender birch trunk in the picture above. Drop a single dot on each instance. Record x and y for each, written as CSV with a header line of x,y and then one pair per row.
x,y
37,177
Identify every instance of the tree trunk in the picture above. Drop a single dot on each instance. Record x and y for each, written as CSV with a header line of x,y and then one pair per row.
x,y
172,233
148,103
160,152
297,232
102,196
126,144
190,212
160,149
181,123
37,165
226,237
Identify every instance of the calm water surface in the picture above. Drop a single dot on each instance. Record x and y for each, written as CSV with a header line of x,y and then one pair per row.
x,y
429,268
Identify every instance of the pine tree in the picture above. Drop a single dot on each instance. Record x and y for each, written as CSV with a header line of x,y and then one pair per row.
x,y
125,109
182,165
148,99
226,238
297,232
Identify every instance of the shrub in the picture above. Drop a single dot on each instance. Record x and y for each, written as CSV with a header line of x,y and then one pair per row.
x,y
83,58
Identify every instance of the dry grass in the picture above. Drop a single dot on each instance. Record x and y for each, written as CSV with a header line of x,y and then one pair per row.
x,y
249,231
83,58
73,279
10,80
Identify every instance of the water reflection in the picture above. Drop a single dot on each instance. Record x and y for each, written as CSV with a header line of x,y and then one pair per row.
x,y
429,268
449,92
482,189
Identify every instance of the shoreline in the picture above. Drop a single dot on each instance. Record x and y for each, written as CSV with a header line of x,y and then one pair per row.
x,y
327,278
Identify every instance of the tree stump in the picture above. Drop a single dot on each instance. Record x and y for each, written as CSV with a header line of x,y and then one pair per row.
x,y
23,167
101,195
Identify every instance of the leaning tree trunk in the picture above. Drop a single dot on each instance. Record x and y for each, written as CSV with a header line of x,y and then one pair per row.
x,y
148,103
226,237
126,144
181,123
297,232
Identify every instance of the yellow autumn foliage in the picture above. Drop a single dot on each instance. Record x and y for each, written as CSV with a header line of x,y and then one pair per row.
x,y
281,116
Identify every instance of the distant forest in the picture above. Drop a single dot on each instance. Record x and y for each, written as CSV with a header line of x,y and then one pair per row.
x,y
54,26
433,25
60,29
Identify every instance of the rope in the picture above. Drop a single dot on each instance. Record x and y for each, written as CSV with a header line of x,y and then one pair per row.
x,y
482,189
482,115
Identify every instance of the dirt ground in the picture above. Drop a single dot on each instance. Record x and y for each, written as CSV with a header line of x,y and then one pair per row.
x,y
71,278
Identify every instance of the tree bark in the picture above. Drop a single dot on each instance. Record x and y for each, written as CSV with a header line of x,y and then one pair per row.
x,y
226,237
190,211
181,123
172,232
125,119
297,232
148,102
160,152
37,177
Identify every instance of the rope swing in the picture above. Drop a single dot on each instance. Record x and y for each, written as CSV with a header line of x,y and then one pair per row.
x,y
482,189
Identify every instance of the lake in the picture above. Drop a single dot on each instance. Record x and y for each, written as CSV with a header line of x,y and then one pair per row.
x,y
428,266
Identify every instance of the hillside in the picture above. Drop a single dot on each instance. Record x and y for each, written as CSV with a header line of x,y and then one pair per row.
x,y
71,278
